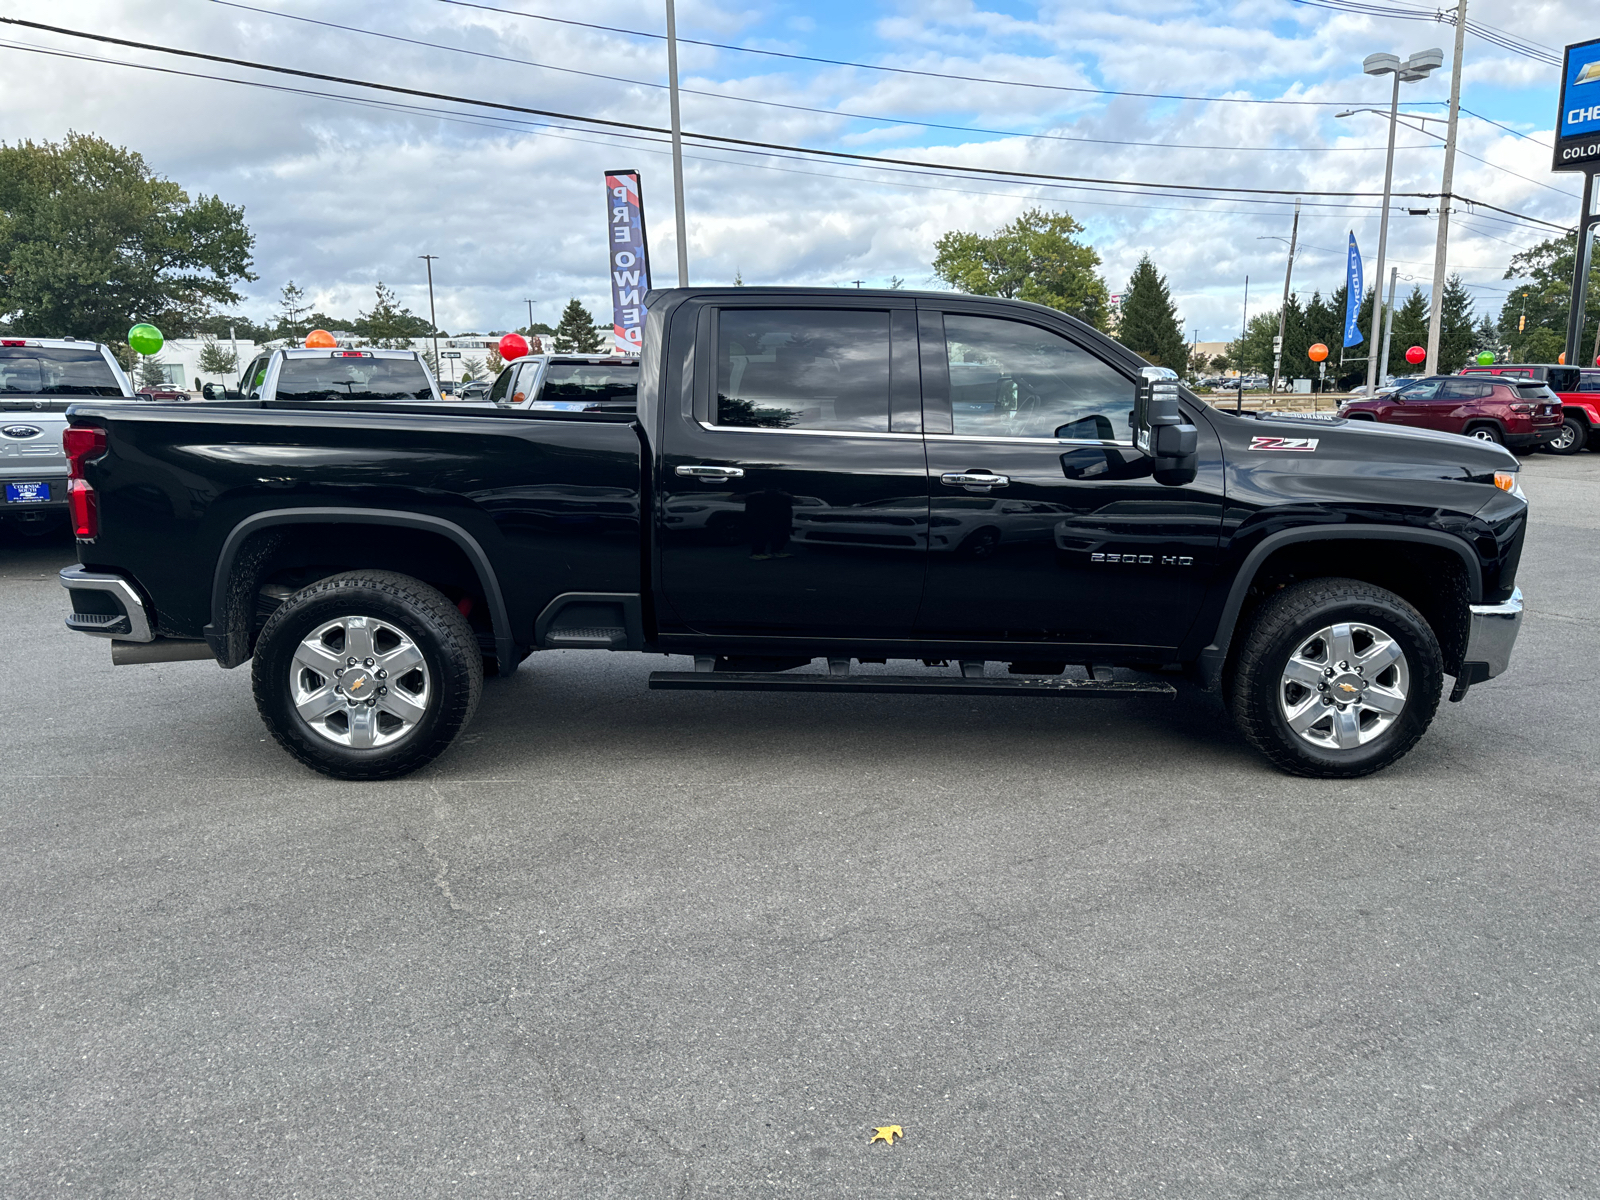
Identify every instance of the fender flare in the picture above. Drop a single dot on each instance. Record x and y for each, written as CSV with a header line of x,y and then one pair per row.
x,y
1215,655
231,650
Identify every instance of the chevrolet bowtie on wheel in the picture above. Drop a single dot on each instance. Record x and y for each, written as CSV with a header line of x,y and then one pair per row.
x,y
989,495
366,675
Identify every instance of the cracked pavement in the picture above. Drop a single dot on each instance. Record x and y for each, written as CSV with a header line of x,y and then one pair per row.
x,y
619,943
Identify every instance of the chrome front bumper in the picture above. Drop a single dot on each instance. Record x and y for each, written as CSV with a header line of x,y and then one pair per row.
x,y
1490,636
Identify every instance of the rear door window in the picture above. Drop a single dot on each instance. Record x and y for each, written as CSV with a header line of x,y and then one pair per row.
x,y
804,369
51,371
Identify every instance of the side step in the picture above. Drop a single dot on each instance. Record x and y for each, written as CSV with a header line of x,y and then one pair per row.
x,y
913,685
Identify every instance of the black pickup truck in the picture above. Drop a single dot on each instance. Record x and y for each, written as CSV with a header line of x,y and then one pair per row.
x,y
990,491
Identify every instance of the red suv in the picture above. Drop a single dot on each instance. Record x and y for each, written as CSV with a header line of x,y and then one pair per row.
x,y
1578,389
1514,412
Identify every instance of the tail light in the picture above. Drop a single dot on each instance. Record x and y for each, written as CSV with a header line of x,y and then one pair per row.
x,y
1522,408
81,443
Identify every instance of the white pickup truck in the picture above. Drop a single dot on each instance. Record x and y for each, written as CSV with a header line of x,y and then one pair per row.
x,y
39,377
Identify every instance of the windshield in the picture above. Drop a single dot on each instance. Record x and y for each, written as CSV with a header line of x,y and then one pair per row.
x,y
594,382
42,371
353,379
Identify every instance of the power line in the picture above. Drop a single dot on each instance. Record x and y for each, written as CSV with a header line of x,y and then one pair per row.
x,y
1401,12
836,62
721,141
829,112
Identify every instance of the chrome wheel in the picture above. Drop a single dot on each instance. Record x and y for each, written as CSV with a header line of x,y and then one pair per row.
x,y
359,682
1564,439
1343,686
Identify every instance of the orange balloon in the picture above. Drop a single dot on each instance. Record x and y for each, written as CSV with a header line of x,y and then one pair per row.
x,y
1317,352
320,339
1562,358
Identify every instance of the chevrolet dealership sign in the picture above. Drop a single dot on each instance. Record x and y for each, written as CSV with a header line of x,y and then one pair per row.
x,y
1578,123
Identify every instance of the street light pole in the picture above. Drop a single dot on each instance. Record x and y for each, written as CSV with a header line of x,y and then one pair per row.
x,y
433,319
1283,312
677,146
1383,244
1414,68
1388,325
1436,301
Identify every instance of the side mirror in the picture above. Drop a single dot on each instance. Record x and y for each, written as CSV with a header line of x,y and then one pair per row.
x,y
1160,431
212,391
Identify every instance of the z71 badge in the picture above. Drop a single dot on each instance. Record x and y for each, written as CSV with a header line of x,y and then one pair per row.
x,y
1306,445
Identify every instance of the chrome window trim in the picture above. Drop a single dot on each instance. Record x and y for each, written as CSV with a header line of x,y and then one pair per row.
x,y
864,433
984,437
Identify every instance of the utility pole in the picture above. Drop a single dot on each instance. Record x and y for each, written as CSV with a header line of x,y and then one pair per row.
x,y
433,320
1436,301
1244,323
529,303
1283,313
1388,328
677,146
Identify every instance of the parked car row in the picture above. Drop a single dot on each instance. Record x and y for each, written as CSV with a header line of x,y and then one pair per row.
x,y
1524,406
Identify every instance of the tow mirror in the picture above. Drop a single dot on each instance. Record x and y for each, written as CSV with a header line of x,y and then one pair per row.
x,y
1160,431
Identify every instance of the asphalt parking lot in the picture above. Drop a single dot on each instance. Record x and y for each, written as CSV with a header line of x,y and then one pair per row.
x,y
621,943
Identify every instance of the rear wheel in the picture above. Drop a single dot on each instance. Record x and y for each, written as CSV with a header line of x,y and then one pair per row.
x,y
1487,433
1336,679
1574,433
367,675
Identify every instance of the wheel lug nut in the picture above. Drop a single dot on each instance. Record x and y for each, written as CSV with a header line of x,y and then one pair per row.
x,y
382,674
337,671
1328,671
351,661
383,691
370,703
337,690
369,662
1322,687
1327,700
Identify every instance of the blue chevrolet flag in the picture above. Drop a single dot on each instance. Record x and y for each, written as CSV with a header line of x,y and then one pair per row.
x,y
1352,303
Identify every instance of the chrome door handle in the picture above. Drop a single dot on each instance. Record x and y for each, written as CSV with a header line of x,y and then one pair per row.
x,y
973,479
703,472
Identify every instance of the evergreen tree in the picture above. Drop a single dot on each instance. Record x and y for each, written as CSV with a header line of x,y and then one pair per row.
x,y
151,373
577,332
1457,337
1410,329
1485,337
292,309
1149,323
214,360
389,325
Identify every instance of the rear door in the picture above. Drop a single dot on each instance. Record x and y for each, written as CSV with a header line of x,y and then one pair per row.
x,y
793,499
1045,524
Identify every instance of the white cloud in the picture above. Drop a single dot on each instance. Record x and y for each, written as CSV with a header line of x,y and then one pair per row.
x,y
341,195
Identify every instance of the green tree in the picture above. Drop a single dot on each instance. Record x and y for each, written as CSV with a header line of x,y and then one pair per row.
x,y
472,368
1410,329
388,325
1457,337
151,373
214,360
1033,258
494,362
1150,325
577,332
91,240
1544,297
293,323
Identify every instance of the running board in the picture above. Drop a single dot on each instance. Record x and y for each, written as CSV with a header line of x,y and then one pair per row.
x,y
915,685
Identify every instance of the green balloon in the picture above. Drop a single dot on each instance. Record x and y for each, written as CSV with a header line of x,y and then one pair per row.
x,y
146,339
1485,359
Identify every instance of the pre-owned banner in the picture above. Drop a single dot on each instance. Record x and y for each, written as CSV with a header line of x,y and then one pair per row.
x,y
630,260
1352,302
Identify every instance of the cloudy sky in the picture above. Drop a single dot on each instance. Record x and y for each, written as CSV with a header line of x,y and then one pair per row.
x,y
341,193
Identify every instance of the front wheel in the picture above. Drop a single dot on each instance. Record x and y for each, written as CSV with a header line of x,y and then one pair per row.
x,y
1336,679
367,675
1570,439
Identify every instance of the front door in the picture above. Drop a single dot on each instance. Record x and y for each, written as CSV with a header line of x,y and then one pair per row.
x,y
793,500
1045,526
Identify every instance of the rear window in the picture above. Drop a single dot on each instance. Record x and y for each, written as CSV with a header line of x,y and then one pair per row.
x,y
1563,379
42,371
593,382
353,379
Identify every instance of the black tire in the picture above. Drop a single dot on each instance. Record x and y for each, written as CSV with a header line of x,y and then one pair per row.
x,y
452,679
1487,433
1574,433
1258,681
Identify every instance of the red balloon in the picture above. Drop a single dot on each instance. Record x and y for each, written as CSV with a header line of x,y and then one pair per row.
x,y
513,346
1415,355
